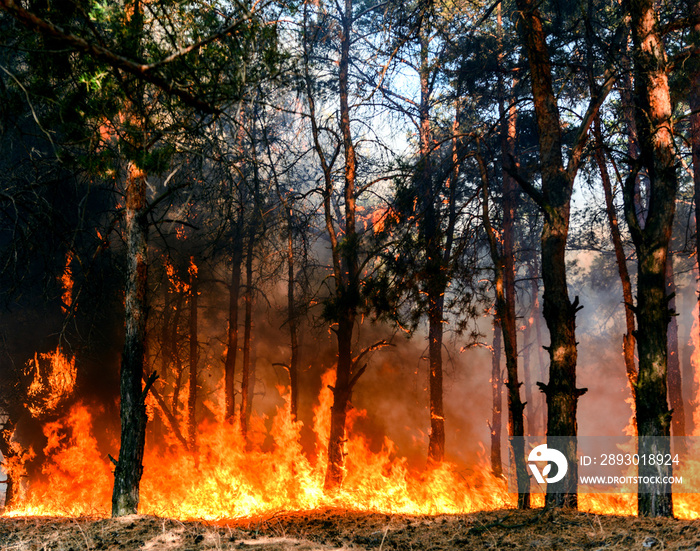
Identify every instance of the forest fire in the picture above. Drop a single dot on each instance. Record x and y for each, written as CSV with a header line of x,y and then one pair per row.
x,y
362,207
229,478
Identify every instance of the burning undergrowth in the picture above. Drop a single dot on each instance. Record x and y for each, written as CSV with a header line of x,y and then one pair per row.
x,y
278,468
230,477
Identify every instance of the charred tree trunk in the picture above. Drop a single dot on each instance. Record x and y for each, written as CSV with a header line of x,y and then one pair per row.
x,y
129,468
194,361
505,284
527,380
675,382
651,239
175,357
537,420
346,270
628,340
434,284
293,323
7,453
166,329
246,398
559,312
341,401
436,444
497,401
505,314
344,241
516,407
232,336
554,200
292,311
539,346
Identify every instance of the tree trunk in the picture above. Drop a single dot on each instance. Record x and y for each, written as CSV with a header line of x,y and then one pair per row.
x,y
530,417
538,345
194,361
516,407
628,340
246,398
694,100
7,453
232,336
434,284
505,315
555,200
497,401
341,399
651,238
175,358
675,382
436,444
129,468
293,323
505,298
345,267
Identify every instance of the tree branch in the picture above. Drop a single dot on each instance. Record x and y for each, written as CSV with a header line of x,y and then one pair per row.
x,y
535,194
609,78
139,70
170,417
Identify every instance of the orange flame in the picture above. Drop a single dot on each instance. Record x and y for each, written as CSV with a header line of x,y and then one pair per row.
x,y
53,380
67,283
229,479
695,363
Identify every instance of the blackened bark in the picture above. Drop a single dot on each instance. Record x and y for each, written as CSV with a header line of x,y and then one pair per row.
x,y
172,420
232,336
7,453
293,323
166,329
194,360
129,468
628,339
658,159
505,283
341,400
535,289
527,378
246,398
497,401
436,444
516,407
555,200
505,316
434,282
175,356
292,311
675,383
346,270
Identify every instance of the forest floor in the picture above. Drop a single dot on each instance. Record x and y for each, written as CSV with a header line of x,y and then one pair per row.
x,y
340,529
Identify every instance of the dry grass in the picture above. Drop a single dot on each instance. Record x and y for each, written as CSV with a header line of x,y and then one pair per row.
x,y
341,529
